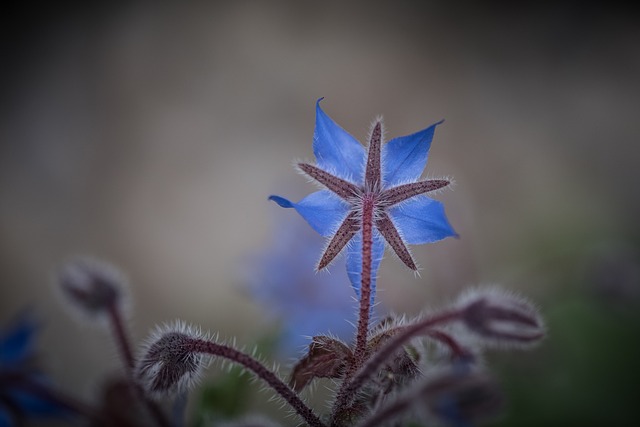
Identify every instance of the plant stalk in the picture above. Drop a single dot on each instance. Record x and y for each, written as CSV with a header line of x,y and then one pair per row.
x,y
124,345
220,350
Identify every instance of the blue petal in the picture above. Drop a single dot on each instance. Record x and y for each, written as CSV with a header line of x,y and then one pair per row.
x,y
6,420
421,220
322,210
354,262
34,405
336,151
405,157
16,343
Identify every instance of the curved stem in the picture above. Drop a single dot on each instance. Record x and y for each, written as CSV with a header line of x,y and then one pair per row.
x,y
457,351
220,350
395,343
399,406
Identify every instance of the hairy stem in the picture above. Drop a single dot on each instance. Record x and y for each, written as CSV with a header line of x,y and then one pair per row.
x,y
124,345
469,398
398,407
360,352
220,350
408,332
457,351
365,282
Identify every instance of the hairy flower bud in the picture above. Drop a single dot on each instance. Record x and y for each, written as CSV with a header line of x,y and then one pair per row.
x,y
169,362
93,287
501,318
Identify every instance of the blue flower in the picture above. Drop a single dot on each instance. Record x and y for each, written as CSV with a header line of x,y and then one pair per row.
x,y
23,390
305,303
381,183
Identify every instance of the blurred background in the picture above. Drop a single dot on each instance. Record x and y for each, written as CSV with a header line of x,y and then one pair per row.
x,y
150,134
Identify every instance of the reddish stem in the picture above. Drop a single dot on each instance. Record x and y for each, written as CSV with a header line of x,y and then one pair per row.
x,y
122,338
220,350
394,344
124,344
365,282
457,351
360,352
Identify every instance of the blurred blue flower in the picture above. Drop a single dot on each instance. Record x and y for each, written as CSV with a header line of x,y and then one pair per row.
x,y
283,280
23,390
387,176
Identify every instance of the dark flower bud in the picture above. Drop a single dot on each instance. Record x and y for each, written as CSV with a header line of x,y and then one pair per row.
x,y
170,362
501,318
93,287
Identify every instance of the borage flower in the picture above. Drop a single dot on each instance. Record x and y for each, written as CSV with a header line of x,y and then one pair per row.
x,y
281,278
377,190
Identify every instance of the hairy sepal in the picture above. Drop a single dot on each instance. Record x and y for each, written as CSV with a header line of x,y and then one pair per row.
x,y
327,358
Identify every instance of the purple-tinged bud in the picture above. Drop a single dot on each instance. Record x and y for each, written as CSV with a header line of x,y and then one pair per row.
x,y
170,362
501,318
92,286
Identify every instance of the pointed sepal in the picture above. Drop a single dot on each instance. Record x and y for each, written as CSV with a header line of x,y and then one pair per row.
x,y
327,358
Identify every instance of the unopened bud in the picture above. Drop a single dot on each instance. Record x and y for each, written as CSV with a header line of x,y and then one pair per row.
x,y
93,287
170,362
501,317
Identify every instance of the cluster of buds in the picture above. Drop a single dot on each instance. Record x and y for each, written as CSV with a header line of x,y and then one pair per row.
x,y
399,377
372,199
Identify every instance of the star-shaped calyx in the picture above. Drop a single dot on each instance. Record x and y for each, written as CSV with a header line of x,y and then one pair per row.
x,y
378,190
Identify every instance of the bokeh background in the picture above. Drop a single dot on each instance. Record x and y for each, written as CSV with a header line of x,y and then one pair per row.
x,y
150,134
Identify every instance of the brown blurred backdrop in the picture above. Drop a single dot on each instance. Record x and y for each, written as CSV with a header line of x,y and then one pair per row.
x,y
150,134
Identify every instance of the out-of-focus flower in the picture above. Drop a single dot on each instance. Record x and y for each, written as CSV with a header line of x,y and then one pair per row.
x,y
92,288
24,391
378,185
306,303
460,397
501,318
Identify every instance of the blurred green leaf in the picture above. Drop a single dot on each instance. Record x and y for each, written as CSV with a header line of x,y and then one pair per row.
x,y
584,374
229,395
